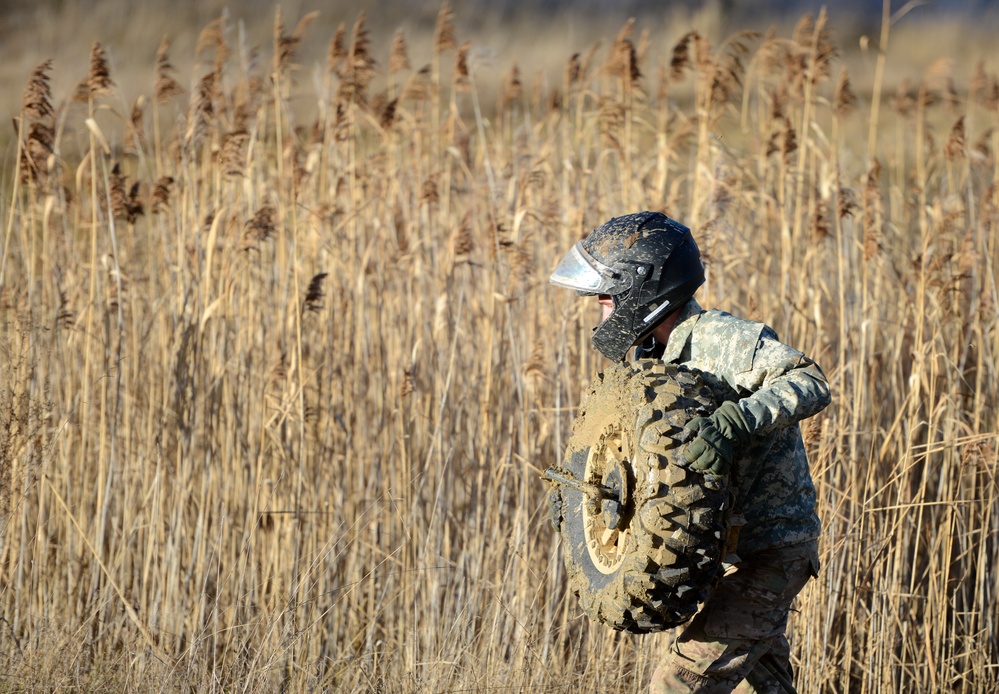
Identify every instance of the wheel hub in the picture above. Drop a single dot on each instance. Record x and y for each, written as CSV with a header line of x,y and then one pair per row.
x,y
606,521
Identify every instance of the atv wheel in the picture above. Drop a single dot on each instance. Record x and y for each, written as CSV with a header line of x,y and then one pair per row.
x,y
643,535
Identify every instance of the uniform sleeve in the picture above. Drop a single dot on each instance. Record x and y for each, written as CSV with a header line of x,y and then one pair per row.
x,y
784,386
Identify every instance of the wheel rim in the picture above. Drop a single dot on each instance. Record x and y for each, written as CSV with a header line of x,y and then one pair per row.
x,y
606,525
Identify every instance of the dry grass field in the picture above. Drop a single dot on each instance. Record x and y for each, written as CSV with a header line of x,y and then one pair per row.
x,y
280,367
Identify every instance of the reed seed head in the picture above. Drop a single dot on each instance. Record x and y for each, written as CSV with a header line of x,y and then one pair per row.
x,y
399,57
99,80
444,29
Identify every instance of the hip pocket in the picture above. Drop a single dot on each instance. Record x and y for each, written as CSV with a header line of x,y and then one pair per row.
x,y
753,600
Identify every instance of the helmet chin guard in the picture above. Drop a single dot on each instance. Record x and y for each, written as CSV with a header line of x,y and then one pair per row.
x,y
647,262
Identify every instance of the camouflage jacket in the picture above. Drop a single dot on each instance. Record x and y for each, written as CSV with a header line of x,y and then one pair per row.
x,y
777,387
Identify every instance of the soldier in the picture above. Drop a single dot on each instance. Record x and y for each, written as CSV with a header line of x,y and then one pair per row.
x,y
644,268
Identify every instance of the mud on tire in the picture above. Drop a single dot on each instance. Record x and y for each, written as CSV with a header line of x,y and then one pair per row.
x,y
642,560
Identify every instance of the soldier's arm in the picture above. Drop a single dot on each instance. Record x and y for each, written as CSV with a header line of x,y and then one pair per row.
x,y
784,386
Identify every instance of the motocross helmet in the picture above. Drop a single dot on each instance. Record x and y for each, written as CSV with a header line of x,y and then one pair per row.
x,y
647,262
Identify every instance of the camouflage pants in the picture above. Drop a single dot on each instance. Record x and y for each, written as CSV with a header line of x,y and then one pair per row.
x,y
736,642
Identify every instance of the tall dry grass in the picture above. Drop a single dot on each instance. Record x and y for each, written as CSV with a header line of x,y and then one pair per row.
x,y
276,394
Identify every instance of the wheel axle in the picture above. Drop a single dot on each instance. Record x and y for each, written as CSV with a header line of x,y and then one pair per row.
x,y
596,492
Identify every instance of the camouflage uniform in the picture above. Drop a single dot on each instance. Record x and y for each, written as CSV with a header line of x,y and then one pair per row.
x,y
737,639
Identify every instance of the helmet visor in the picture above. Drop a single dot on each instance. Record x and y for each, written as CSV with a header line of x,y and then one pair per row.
x,y
581,271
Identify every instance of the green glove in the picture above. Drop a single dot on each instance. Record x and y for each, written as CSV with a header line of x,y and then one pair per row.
x,y
715,439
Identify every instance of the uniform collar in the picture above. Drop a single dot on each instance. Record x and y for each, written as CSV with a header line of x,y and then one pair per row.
x,y
680,335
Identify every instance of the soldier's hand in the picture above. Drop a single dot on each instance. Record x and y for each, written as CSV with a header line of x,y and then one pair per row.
x,y
709,452
713,440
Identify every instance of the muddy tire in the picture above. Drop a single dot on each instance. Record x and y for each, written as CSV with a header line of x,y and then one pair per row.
x,y
643,559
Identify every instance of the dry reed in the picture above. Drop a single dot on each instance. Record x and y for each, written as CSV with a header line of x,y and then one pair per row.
x,y
284,430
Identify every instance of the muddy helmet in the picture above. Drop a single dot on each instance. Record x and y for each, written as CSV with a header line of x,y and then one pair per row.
x,y
647,262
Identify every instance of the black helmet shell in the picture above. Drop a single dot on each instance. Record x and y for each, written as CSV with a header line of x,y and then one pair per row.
x,y
647,262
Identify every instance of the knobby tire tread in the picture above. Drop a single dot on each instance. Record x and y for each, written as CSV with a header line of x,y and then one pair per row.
x,y
674,546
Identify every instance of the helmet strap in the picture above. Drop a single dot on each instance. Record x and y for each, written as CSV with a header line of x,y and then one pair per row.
x,y
650,348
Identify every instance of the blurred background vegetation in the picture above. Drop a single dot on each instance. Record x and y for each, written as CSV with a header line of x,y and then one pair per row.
x,y
280,366
540,35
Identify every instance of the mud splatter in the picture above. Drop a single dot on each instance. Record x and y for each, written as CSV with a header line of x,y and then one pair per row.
x,y
652,572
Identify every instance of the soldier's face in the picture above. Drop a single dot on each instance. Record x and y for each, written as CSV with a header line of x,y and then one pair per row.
x,y
606,306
